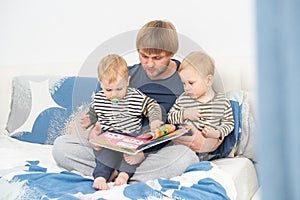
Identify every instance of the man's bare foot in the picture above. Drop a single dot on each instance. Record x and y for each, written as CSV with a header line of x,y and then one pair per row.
x,y
134,159
113,175
85,122
100,184
121,179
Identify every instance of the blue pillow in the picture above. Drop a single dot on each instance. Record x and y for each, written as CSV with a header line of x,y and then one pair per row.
x,y
231,140
41,106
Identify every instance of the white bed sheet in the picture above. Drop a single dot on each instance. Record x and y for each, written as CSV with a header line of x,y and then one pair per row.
x,y
243,173
14,153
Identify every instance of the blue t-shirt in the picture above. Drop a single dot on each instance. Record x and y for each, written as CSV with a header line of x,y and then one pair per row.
x,y
164,91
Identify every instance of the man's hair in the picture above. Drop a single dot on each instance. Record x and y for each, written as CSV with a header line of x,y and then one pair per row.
x,y
200,61
111,67
157,36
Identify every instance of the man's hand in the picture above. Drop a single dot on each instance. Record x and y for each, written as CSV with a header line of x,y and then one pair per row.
x,y
193,141
85,122
197,142
95,131
210,132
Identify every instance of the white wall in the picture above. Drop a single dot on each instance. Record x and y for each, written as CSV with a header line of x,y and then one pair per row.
x,y
41,36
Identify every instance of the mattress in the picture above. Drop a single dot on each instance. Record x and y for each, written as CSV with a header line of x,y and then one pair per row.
x,y
243,173
236,178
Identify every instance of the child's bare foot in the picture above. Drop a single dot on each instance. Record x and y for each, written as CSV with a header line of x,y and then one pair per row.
x,y
100,184
134,159
121,179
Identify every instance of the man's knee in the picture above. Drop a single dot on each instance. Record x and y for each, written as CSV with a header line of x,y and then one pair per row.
x,y
57,150
183,154
168,162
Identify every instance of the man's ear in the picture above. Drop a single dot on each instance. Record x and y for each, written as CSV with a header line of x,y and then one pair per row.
x,y
209,80
171,56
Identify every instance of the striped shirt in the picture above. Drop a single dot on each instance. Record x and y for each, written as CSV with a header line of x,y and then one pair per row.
x,y
216,113
126,115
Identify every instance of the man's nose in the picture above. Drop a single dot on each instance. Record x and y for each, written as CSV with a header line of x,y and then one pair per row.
x,y
150,62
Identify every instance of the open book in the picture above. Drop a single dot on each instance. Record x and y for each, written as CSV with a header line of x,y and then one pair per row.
x,y
133,145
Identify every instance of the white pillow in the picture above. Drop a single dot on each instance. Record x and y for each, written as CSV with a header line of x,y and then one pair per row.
x,y
247,141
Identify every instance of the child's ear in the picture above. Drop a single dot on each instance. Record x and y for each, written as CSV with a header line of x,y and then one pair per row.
x,y
209,80
128,80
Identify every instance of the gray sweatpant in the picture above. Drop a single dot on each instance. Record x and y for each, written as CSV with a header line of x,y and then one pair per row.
x,y
73,152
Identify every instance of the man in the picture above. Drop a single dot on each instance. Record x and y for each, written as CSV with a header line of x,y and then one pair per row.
x,y
157,77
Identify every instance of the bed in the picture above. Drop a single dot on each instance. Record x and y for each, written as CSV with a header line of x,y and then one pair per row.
x,y
39,105
28,171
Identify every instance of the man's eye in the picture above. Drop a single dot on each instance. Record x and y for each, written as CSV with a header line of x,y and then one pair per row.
x,y
157,58
108,90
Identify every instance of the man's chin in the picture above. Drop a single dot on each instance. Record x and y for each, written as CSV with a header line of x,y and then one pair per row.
x,y
151,75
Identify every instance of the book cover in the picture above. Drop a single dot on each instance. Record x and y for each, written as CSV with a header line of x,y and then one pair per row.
x,y
133,145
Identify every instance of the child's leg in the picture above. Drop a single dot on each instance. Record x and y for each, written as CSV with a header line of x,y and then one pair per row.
x,y
122,179
126,171
134,159
101,173
141,156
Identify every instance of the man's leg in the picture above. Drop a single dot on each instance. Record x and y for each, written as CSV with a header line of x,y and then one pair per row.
x,y
73,152
168,162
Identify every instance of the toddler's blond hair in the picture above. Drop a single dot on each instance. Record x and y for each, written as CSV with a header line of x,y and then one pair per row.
x,y
200,61
111,67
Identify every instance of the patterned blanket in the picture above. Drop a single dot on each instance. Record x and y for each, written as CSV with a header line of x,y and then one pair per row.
x,y
203,180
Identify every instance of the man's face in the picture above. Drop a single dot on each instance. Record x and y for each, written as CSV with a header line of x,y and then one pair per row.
x,y
155,65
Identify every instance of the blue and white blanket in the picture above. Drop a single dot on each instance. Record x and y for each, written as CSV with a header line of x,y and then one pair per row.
x,y
200,181
40,178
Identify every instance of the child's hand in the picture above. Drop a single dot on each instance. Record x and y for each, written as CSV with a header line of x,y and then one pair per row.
x,y
155,124
93,133
191,114
85,122
210,132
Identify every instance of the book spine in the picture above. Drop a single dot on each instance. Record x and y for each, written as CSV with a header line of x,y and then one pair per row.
x,y
164,130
